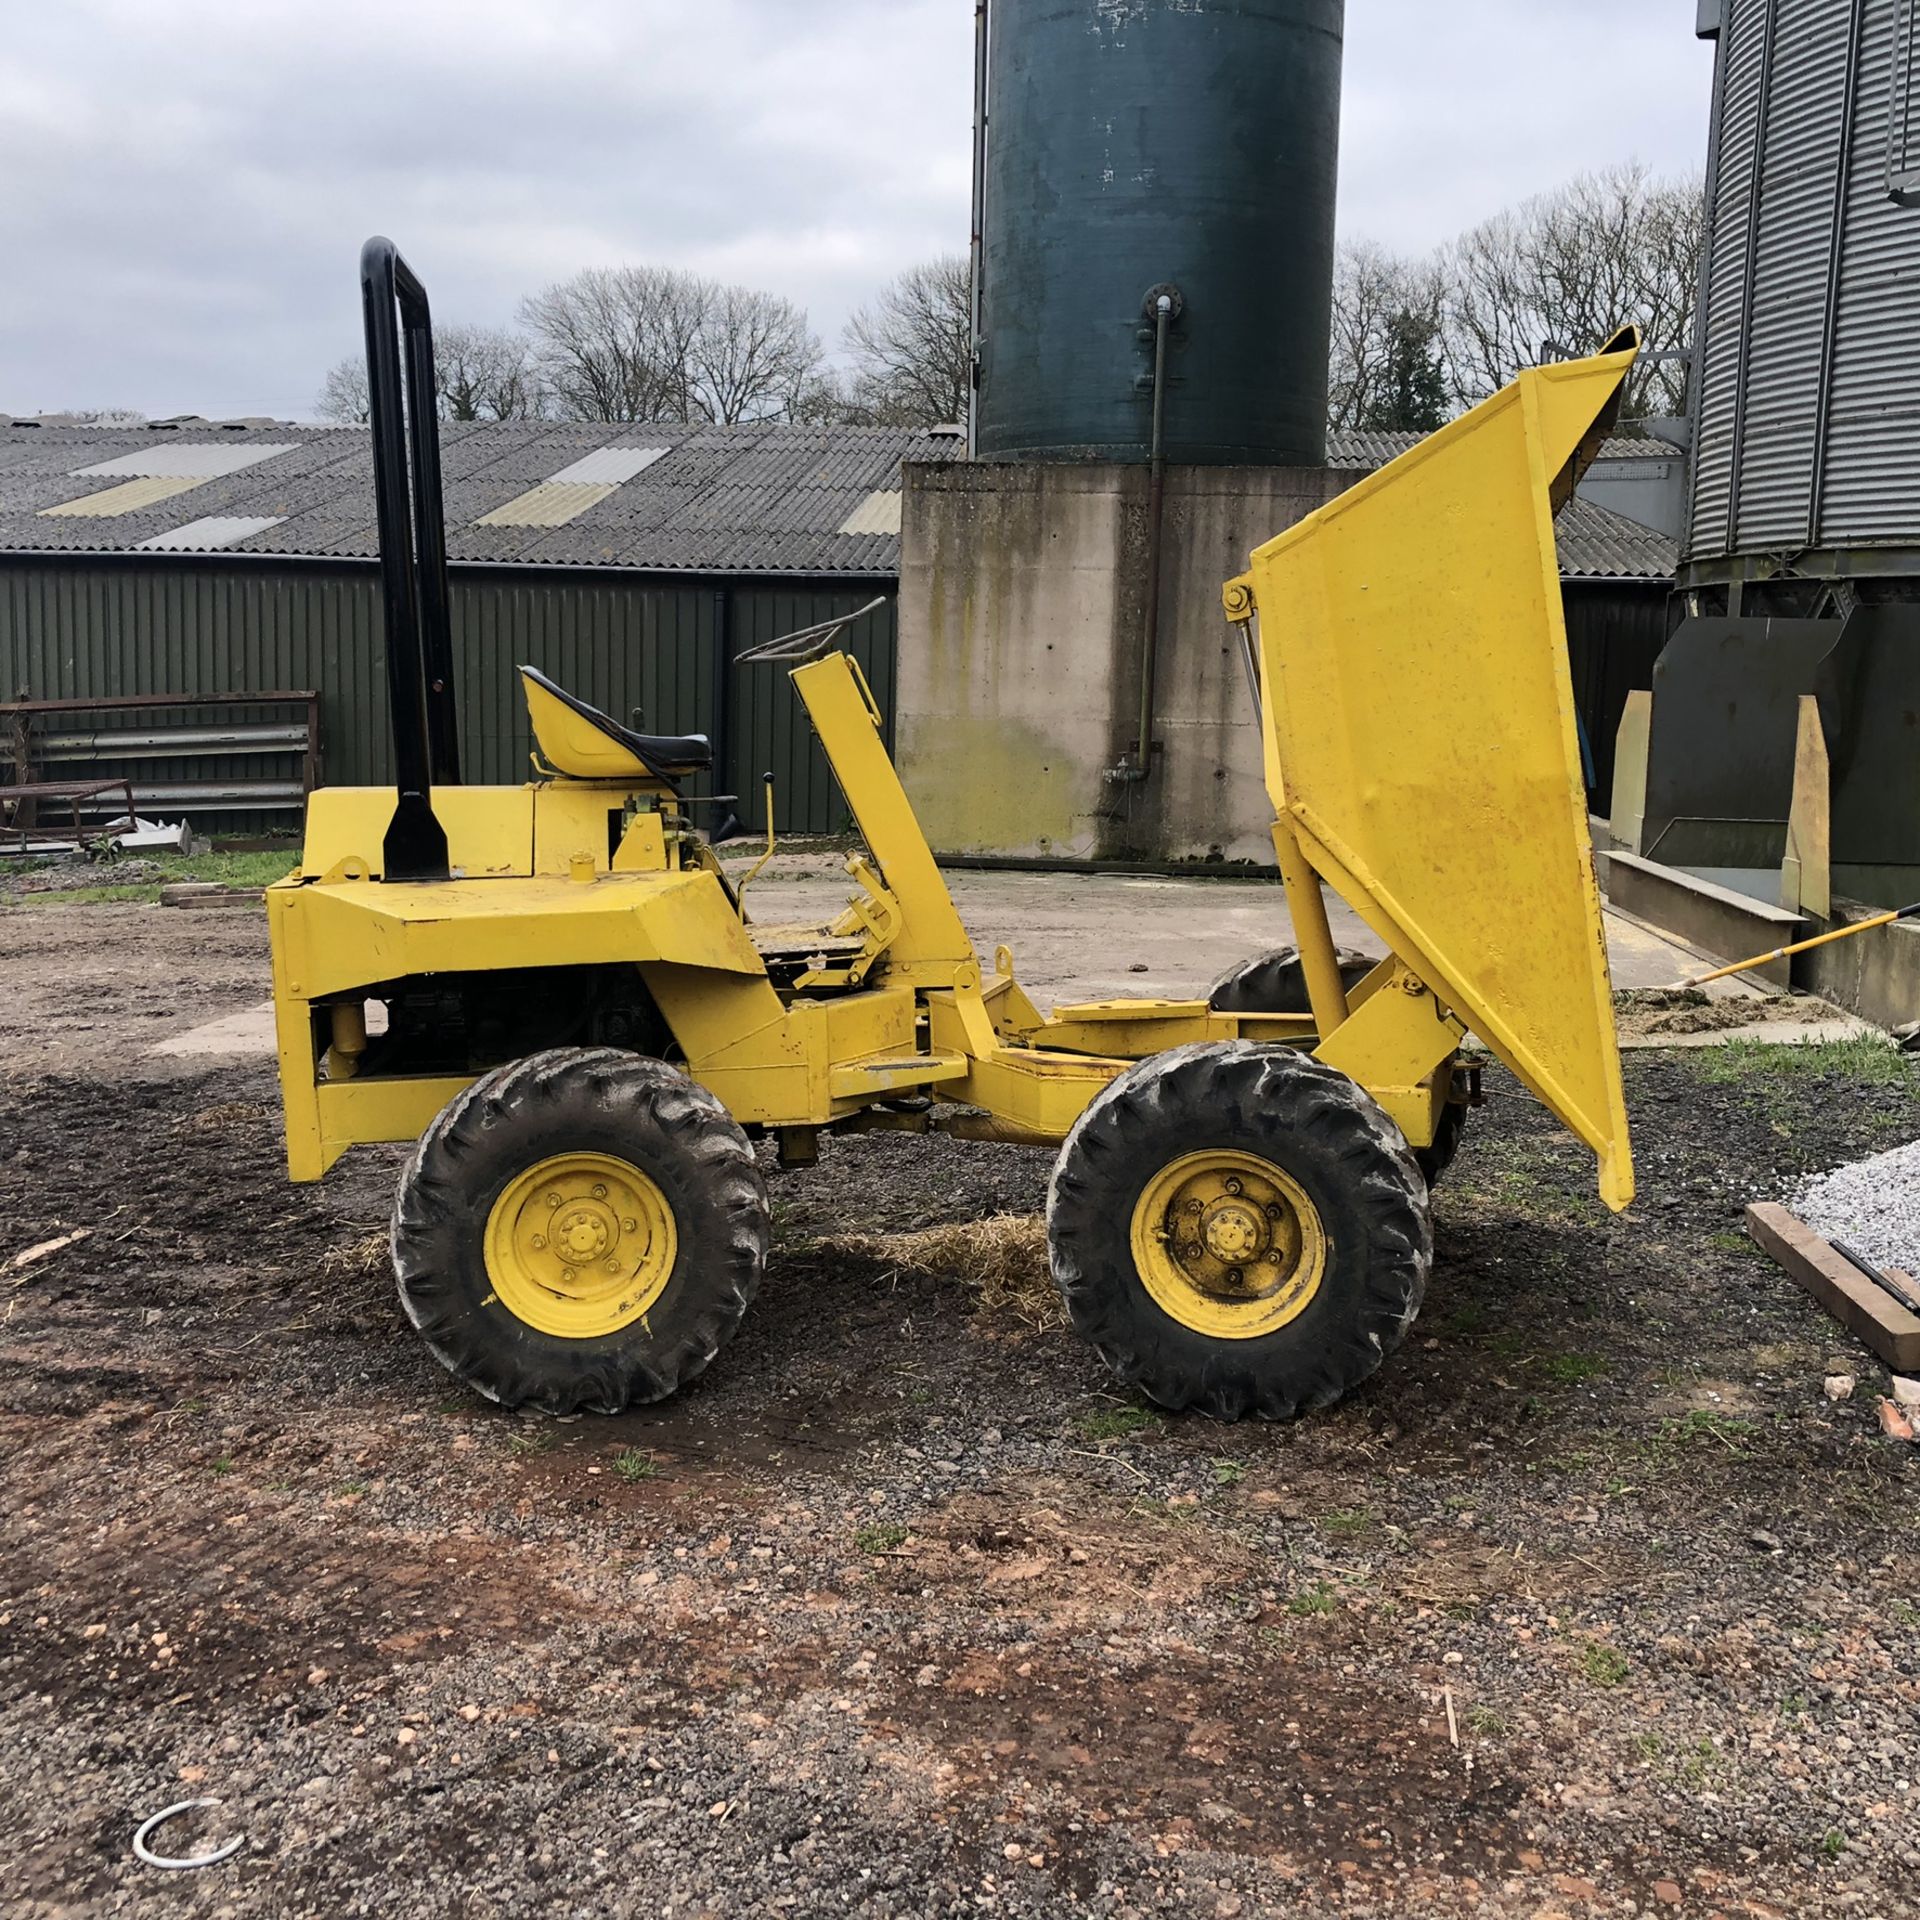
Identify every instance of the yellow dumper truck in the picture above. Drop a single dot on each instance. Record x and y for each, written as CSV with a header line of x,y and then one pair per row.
x,y
587,1035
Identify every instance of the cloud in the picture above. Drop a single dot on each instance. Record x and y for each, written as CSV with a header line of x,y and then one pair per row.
x,y
189,182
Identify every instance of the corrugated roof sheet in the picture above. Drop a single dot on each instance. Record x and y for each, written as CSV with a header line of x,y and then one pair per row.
x,y
879,512
608,466
692,499
551,504
188,460
1598,544
1370,447
130,496
208,534
753,499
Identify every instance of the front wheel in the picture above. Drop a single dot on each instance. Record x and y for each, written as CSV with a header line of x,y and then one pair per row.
x,y
580,1231
1239,1229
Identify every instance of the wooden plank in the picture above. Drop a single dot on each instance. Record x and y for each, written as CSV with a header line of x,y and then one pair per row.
x,y
1846,1293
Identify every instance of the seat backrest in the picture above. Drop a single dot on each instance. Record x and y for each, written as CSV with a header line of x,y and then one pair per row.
x,y
585,744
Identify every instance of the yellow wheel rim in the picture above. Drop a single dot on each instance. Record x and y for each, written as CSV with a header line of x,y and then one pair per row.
x,y
580,1245
1228,1244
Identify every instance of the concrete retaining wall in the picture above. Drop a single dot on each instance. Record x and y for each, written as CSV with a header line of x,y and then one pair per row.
x,y
1020,610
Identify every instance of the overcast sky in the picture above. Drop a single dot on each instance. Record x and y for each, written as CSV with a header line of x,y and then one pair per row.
x,y
187,182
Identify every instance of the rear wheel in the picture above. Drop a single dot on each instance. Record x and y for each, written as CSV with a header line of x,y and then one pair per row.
x,y
1239,1229
1276,982
580,1231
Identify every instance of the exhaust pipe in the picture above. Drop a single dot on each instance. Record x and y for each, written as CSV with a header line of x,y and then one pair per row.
x,y
413,558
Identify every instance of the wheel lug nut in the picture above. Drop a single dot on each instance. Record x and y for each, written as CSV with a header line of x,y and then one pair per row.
x,y
539,1240
553,1199
1233,1186
1194,1206
629,1226
1276,1212
613,1266
1236,1278
600,1192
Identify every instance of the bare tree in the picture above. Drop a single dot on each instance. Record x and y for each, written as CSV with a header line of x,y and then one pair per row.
x,y
613,343
652,343
106,416
1561,272
753,357
485,373
1386,324
912,347
482,373
343,394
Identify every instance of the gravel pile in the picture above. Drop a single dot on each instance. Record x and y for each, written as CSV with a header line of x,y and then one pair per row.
x,y
1873,1205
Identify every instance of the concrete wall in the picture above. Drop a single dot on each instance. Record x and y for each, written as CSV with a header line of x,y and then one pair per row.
x,y
1020,611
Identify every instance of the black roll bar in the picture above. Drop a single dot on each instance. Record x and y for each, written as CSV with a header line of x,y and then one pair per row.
x,y
413,558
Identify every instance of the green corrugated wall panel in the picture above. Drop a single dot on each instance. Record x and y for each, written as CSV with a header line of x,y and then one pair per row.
x,y
647,647
770,732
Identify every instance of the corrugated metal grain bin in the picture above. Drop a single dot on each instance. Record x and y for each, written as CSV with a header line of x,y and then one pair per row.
x,y
1809,402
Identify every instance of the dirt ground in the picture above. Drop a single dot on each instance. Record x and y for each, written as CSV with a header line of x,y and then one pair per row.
x,y
900,1610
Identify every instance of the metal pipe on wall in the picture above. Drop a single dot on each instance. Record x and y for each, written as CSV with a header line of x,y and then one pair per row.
x,y
1156,523
1163,304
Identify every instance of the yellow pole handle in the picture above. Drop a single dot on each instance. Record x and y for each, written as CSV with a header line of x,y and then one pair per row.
x,y
753,872
1799,946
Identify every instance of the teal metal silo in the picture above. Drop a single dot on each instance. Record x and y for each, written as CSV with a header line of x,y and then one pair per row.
x,y
1141,148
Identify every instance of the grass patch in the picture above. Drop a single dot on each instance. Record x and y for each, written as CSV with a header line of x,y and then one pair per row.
x,y
351,1489
1485,1722
635,1464
1347,1520
524,1443
1115,1423
880,1536
1228,1473
1570,1369
1833,1843
1863,1058
220,869
1602,1665
1315,1598
1702,1427
221,1466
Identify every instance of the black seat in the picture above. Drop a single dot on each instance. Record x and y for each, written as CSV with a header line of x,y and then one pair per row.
x,y
668,754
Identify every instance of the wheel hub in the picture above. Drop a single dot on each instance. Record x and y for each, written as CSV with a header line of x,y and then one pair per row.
x,y
1234,1233
580,1245
1228,1243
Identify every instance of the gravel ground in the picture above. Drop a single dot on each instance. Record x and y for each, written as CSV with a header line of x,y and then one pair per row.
x,y
901,1610
1872,1204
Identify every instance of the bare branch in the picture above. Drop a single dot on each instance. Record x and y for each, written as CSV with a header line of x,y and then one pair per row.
x,y
912,347
485,373
1563,271
343,395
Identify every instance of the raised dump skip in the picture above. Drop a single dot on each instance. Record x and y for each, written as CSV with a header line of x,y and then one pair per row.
x,y
1421,742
